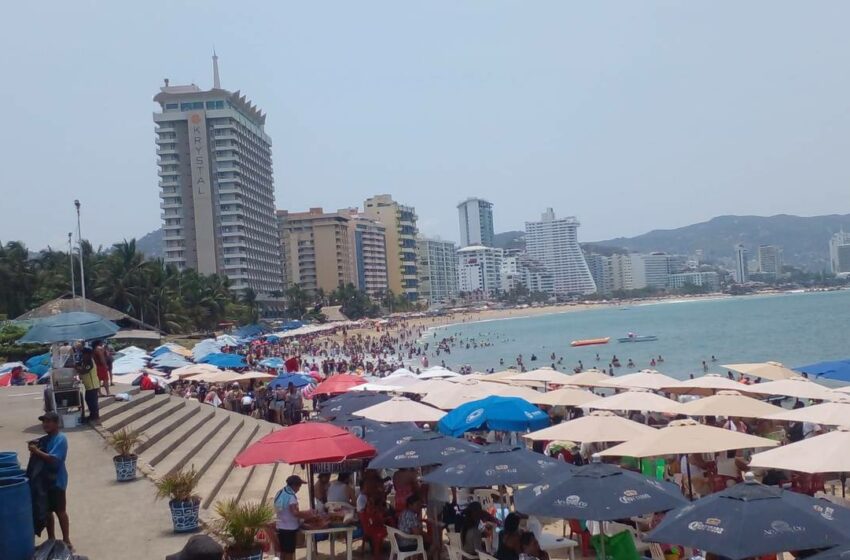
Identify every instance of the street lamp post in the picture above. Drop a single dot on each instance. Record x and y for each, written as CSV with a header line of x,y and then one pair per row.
x,y
82,266
71,258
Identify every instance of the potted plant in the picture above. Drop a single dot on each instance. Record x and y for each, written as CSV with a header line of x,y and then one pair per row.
x,y
238,525
179,488
124,442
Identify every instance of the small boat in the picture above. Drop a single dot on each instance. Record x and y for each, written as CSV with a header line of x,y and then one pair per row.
x,y
590,341
638,338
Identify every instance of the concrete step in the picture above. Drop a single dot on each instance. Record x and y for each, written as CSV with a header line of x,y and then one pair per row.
x,y
186,453
130,414
249,483
163,428
178,439
278,480
205,457
217,474
259,485
111,409
172,408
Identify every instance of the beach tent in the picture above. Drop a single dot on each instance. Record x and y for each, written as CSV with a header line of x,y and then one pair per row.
x,y
706,385
644,379
729,404
567,396
9,366
400,409
796,387
600,426
838,370
636,399
766,370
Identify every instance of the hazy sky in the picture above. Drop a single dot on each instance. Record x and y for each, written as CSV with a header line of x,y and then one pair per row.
x,y
630,115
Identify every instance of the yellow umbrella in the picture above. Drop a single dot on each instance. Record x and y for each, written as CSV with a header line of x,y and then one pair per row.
x,y
637,399
835,413
686,437
590,378
401,409
568,396
597,427
828,452
706,385
767,370
644,379
797,387
730,404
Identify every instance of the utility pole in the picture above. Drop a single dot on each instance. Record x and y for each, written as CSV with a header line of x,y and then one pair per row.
x,y
71,259
82,266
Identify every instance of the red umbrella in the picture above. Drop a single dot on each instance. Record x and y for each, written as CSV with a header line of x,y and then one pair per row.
x,y
6,379
310,442
337,384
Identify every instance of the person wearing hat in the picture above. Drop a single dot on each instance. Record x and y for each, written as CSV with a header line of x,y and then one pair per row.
x,y
53,450
199,547
289,517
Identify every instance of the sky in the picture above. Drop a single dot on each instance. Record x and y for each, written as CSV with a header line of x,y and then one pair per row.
x,y
631,116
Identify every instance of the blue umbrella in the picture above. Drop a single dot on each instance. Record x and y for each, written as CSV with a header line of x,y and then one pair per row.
x,y
837,553
223,361
506,414
65,327
285,379
40,364
838,370
391,436
169,360
422,451
159,351
598,492
274,363
349,403
494,465
750,519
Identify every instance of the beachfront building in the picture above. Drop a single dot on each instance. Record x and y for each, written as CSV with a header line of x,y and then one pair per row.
x,y
369,246
656,269
437,269
770,259
600,269
839,253
479,271
741,267
216,186
709,280
475,216
553,242
401,231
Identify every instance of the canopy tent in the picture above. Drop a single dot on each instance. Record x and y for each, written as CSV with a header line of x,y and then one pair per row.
x,y
401,409
686,437
506,414
644,379
706,385
568,396
601,426
829,452
766,370
638,400
796,387
729,404
838,370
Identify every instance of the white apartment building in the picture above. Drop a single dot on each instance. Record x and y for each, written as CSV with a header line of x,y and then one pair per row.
x,y
437,269
475,216
553,242
479,270
839,253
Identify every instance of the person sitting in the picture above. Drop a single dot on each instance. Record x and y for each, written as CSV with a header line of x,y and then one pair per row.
x,y
509,546
530,548
146,383
340,490
410,522
373,521
470,527
320,491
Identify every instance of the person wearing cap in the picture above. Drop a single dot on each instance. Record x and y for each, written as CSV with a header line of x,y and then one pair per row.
x,y
199,547
289,517
53,450
88,376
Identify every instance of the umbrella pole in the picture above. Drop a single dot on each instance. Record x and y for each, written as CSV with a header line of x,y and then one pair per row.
x,y
690,484
843,482
602,538
310,488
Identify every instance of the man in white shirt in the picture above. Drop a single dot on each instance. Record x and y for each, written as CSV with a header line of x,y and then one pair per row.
x,y
289,516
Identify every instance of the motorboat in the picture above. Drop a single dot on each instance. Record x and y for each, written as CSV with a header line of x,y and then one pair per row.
x,y
632,337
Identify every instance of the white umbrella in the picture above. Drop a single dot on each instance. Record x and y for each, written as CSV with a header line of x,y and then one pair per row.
x,y
597,427
402,372
590,378
437,373
397,381
401,409
644,379
378,388
193,369
568,396
706,385
766,370
428,386
797,387
829,452
729,404
640,400
835,413
546,376
453,395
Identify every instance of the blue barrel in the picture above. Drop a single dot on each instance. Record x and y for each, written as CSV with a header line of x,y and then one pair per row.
x,y
16,530
9,458
12,472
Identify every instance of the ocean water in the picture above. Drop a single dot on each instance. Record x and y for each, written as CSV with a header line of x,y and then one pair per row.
x,y
795,329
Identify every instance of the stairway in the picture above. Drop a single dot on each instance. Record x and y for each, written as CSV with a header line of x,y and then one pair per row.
x,y
180,433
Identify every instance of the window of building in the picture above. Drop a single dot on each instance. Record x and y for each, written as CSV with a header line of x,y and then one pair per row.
x,y
198,105
185,106
171,106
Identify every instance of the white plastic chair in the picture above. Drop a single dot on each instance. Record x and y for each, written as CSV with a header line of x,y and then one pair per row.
x,y
548,542
395,550
458,553
484,556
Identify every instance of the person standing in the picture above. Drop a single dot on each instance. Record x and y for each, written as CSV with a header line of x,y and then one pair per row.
x,y
289,517
88,376
53,450
294,404
100,362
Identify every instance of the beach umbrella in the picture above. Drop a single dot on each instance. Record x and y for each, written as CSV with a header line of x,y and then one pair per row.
x,y
437,372
359,426
66,327
6,378
377,388
229,376
644,379
836,553
193,369
598,492
590,378
401,409
544,376
835,413
729,404
348,403
568,396
272,363
204,348
169,360
766,370
224,360
598,427
839,370
796,387
9,366
397,381
706,385
402,372
448,396
750,520
283,380
506,414
396,434
336,384
308,442
39,364
636,399
496,465
686,437
227,340
173,347
428,386
422,451
829,452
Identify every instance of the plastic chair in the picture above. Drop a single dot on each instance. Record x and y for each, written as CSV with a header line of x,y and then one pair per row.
x,y
581,535
656,552
485,556
456,544
395,550
548,542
